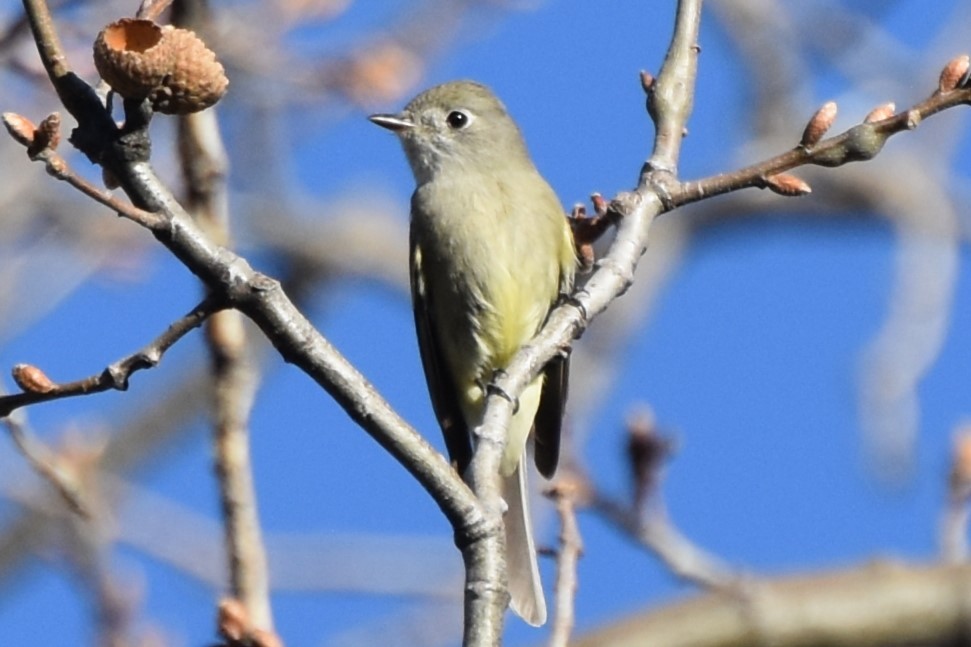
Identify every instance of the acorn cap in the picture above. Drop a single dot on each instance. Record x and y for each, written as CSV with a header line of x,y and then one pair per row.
x,y
128,58
170,66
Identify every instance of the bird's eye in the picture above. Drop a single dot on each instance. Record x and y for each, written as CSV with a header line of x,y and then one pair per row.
x,y
457,120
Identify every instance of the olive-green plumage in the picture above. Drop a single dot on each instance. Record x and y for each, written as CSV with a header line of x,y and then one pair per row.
x,y
491,251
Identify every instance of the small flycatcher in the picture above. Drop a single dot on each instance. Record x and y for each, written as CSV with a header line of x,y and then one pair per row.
x,y
491,251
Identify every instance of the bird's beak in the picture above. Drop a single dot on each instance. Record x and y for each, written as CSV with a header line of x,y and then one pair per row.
x,y
394,123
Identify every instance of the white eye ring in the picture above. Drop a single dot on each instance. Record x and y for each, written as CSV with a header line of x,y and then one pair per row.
x,y
458,119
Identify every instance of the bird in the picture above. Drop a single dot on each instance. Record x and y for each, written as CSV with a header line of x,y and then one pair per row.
x,y
491,253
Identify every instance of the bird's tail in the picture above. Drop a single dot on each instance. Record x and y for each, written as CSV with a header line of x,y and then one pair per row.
x,y
525,587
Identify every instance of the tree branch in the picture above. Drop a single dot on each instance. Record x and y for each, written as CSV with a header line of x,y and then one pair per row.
x,y
39,388
862,142
887,604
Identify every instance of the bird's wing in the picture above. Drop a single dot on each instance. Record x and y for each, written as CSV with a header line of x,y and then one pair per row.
x,y
556,381
549,417
441,385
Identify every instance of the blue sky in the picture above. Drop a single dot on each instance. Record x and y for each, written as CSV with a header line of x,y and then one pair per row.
x,y
750,356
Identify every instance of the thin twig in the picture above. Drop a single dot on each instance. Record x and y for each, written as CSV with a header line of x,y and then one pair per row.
x,y
57,167
41,144
148,426
113,605
862,142
117,374
653,530
643,517
45,463
564,494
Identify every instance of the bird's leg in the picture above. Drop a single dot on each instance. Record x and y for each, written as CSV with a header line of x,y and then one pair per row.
x,y
493,389
574,300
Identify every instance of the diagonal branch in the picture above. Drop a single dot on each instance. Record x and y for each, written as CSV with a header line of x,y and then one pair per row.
x,y
654,531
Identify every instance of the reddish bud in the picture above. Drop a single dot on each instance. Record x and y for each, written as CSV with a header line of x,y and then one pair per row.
x,y
599,204
881,112
954,73
788,185
233,621
20,128
50,130
647,81
31,379
572,485
587,257
47,137
647,450
819,124
960,477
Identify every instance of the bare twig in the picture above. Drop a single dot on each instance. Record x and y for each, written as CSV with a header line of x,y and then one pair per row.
x,y
862,142
46,464
643,517
113,605
653,530
235,386
117,374
262,300
564,494
44,151
57,167
879,603
76,95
